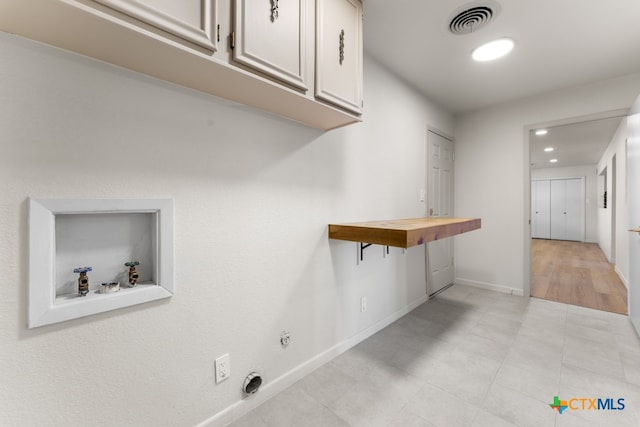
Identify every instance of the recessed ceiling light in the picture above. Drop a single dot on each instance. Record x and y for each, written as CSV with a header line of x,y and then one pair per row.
x,y
541,132
548,149
553,161
492,50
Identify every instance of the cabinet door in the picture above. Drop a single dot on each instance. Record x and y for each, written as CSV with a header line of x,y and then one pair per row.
x,y
339,53
194,21
270,36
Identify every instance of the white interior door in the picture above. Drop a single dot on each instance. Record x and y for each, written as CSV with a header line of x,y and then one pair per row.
x,y
574,208
567,209
633,178
540,205
558,209
440,185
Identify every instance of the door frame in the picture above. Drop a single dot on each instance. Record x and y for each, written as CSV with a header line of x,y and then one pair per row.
x,y
445,135
612,202
527,131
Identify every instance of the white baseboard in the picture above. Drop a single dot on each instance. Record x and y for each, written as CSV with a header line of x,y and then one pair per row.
x,y
636,324
242,407
621,276
489,286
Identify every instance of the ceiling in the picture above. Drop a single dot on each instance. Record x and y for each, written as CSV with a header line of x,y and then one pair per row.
x,y
573,145
558,43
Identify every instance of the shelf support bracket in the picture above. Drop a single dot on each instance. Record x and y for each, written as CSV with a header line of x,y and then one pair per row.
x,y
363,246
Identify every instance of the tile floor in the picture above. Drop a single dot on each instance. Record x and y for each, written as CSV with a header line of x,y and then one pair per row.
x,y
472,358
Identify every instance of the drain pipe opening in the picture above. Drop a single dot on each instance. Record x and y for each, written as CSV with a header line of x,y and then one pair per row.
x,y
252,383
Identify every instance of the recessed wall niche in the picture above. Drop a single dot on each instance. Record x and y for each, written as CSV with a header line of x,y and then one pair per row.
x,y
103,234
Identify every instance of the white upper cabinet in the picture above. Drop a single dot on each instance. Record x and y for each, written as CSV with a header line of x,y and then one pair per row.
x,y
194,21
188,42
271,37
339,53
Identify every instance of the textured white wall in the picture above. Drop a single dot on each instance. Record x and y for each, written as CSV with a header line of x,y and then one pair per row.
x,y
253,196
492,182
591,202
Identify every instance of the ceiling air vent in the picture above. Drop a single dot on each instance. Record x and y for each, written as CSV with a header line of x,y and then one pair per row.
x,y
472,17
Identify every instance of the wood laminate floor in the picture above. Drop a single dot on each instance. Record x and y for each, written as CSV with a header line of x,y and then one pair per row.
x,y
576,273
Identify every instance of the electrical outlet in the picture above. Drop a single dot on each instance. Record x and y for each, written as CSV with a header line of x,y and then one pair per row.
x,y
363,304
223,368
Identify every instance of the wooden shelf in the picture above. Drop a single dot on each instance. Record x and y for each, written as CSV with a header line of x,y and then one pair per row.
x,y
403,233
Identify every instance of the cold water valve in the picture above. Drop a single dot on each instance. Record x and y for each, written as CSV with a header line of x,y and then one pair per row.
x,y
83,280
133,274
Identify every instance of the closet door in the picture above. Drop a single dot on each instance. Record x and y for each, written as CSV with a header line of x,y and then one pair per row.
x,y
574,208
558,209
540,203
567,209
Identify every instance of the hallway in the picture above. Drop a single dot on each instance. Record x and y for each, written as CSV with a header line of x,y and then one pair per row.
x,y
576,273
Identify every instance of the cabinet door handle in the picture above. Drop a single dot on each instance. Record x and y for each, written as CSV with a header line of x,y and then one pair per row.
x,y
341,46
274,10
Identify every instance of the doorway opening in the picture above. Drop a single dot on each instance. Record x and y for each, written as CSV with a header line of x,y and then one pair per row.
x,y
573,260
